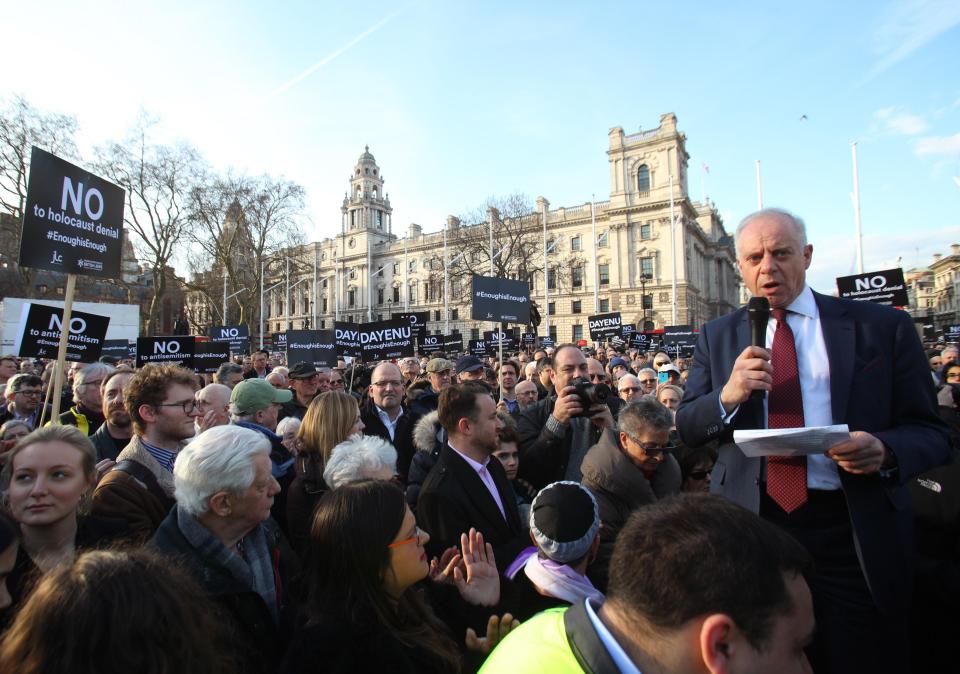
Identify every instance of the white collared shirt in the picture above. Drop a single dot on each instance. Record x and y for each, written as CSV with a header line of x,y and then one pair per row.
x,y
391,425
617,654
485,477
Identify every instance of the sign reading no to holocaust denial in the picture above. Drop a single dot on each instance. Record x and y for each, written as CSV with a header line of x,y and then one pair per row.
x,y
496,338
605,326
500,300
479,347
237,336
174,350
72,219
418,320
431,343
42,325
881,287
317,347
371,342
278,341
209,356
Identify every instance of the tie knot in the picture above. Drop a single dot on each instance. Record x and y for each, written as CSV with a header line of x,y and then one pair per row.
x,y
779,314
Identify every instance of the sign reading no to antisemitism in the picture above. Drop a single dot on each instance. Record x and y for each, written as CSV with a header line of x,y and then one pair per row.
x,y
72,219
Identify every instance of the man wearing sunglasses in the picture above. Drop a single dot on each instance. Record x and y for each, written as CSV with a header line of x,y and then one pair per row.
x,y
628,469
139,489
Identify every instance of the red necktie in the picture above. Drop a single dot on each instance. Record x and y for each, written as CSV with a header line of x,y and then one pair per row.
x,y
786,476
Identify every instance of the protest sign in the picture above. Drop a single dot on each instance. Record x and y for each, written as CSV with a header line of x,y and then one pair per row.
x,y
604,326
479,347
375,341
500,300
237,336
453,343
546,342
495,337
41,327
173,350
418,320
317,347
679,334
209,356
431,343
72,219
118,348
278,341
881,287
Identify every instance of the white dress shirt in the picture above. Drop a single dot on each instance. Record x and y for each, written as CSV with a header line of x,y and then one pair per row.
x,y
485,477
617,654
389,424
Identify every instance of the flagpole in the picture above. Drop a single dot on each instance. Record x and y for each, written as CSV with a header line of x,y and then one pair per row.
x,y
596,284
673,253
856,208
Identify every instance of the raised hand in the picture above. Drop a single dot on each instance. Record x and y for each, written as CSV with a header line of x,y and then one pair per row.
x,y
481,586
441,570
497,629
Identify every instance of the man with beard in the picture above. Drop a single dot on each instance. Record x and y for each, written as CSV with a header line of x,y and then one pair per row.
x,y
86,412
139,489
116,430
468,487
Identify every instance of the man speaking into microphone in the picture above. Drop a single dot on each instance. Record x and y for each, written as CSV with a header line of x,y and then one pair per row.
x,y
823,361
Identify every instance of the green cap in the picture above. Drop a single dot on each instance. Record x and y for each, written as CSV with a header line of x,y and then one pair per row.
x,y
252,395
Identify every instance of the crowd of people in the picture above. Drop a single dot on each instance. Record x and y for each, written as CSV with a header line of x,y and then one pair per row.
x,y
544,513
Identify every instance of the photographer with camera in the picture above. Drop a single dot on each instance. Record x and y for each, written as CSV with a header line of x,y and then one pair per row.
x,y
556,433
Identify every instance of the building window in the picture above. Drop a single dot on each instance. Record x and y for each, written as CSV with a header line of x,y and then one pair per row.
x,y
646,267
351,298
436,314
454,314
323,305
604,306
553,333
645,231
604,272
396,293
577,333
412,265
576,307
412,292
603,240
552,279
323,324
575,243
643,178
474,333
648,302
352,275
379,295
577,276
396,268
552,308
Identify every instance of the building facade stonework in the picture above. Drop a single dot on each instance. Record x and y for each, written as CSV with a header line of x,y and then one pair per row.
x,y
369,271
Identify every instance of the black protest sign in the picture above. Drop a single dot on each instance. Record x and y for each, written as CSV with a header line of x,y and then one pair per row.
x,y
479,347
418,320
370,342
529,338
72,220
237,336
627,329
209,356
117,348
453,343
679,334
278,341
173,350
605,326
546,342
431,343
952,333
500,300
880,287
41,327
496,338
317,347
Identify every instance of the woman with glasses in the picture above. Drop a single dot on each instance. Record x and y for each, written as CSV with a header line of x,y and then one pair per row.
x,y
48,481
628,469
366,604
331,418
696,466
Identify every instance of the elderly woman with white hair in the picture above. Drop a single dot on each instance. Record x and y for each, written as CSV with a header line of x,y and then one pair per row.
x,y
362,457
221,532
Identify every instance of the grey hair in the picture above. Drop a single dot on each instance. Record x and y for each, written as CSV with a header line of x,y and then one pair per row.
x,y
224,371
949,349
646,414
219,459
778,213
648,370
288,424
236,414
357,458
628,379
91,371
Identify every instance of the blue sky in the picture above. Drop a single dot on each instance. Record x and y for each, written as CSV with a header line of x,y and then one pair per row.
x,y
460,101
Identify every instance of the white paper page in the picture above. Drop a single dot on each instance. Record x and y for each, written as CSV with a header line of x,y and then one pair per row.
x,y
790,441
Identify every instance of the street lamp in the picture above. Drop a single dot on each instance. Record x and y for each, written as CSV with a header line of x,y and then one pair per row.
x,y
644,277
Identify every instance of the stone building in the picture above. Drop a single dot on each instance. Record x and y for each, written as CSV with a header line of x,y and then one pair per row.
x,y
370,270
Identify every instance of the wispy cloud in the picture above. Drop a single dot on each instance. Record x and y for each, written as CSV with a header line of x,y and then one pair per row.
x,y
330,57
907,25
898,122
938,145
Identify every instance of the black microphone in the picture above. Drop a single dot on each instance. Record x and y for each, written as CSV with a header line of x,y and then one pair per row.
x,y
758,309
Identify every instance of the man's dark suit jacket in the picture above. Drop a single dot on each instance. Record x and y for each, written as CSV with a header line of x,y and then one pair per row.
x,y
879,383
453,499
402,439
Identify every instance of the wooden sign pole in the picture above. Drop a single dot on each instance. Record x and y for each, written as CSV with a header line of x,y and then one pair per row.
x,y
62,352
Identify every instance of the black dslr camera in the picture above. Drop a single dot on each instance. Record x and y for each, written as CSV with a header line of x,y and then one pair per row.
x,y
589,393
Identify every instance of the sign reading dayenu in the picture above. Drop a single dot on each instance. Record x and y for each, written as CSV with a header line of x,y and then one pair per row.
x,y
209,356
41,327
374,341
881,287
317,347
500,300
72,219
237,336
173,350
605,326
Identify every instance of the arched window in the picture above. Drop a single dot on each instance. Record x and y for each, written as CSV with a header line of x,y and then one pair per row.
x,y
643,178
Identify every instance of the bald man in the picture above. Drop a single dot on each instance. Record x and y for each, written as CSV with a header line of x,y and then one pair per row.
x,y
213,402
526,393
385,415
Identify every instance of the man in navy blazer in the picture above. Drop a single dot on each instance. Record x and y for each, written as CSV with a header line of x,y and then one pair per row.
x,y
860,364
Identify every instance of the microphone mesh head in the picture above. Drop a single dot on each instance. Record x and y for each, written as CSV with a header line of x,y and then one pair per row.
x,y
759,304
